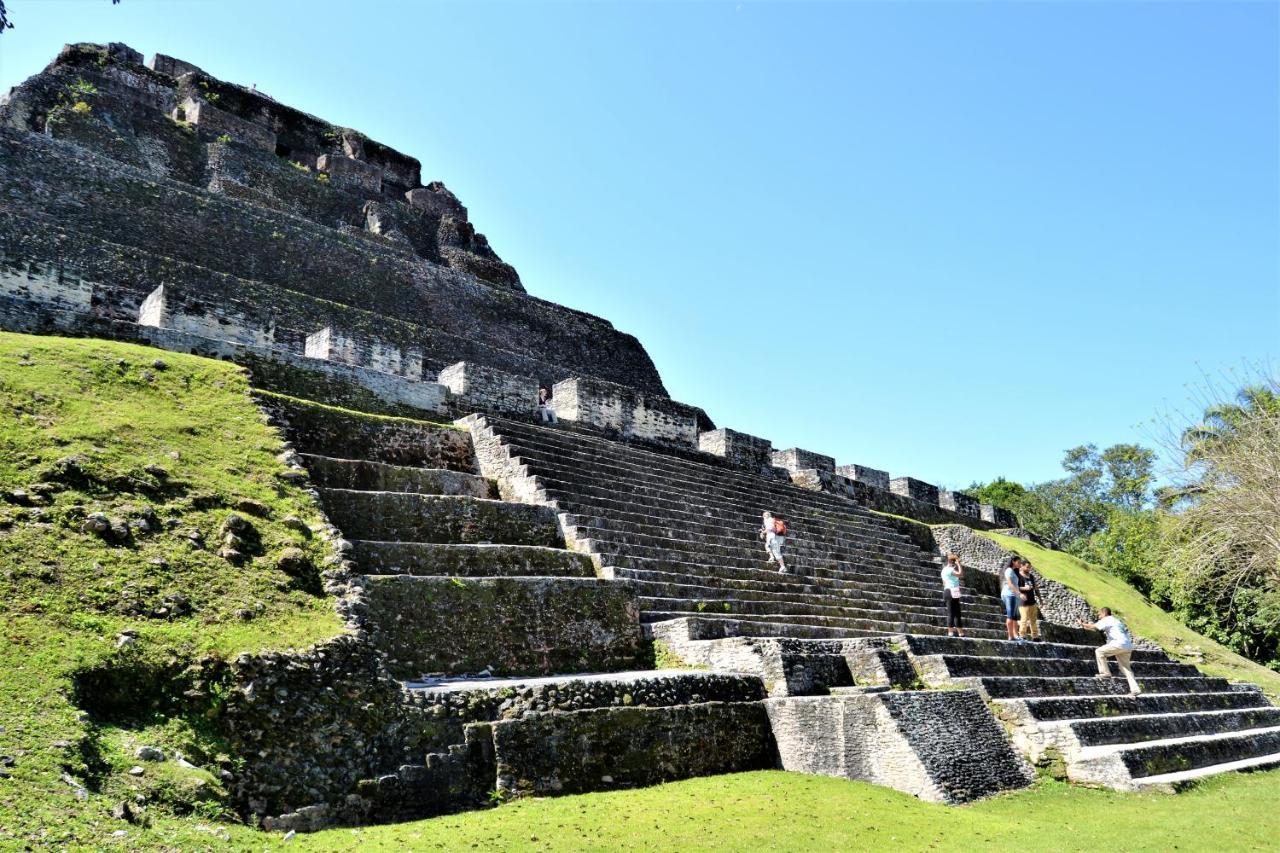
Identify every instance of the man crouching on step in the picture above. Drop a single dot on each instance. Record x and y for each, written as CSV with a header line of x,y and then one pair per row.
x,y
774,533
1119,645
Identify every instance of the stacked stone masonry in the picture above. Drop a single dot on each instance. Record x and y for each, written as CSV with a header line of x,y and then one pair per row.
x,y
502,577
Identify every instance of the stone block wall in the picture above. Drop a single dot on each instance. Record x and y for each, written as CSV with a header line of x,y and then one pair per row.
x,y
478,387
862,474
508,626
351,172
311,725
918,490
907,740
626,411
958,502
590,750
998,516
795,459
213,122
739,450
329,344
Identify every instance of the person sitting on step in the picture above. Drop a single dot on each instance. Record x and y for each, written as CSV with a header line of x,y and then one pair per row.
x,y
1009,598
545,411
952,571
773,531
1029,626
1119,645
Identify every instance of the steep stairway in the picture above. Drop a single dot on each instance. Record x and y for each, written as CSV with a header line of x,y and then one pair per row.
x,y
500,637
1183,726
684,531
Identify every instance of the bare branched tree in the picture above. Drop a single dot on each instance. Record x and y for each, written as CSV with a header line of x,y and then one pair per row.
x,y
1226,536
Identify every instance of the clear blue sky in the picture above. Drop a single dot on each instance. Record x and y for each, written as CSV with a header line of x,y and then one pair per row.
x,y
945,239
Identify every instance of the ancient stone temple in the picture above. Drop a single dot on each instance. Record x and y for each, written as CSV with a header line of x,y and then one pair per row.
x,y
508,572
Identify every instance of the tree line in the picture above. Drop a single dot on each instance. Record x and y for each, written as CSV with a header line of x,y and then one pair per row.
x,y
1205,545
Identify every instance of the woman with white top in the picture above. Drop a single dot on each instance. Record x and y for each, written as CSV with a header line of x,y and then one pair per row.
x,y
952,571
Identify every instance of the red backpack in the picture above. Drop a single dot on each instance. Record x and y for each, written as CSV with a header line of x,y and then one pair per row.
x,y
779,527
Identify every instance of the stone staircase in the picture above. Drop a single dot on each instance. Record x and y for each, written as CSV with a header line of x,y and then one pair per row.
x,y
520,670
684,532
1183,726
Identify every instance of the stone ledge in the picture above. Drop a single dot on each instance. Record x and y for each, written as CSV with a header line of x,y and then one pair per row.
x,y
593,750
506,625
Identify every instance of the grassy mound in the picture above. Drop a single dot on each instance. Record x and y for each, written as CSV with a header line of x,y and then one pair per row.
x,y
773,810
1103,589
145,524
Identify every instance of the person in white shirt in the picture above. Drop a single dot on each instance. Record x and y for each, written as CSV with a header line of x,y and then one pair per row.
x,y
1119,645
952,571
773,530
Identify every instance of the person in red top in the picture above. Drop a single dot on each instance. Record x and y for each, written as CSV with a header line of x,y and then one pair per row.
x,y
774,533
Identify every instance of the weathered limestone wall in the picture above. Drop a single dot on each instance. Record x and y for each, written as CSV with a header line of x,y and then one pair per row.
x,y
569,753
747,452
508,626
874,497
477,387
626,411
941,746
795,459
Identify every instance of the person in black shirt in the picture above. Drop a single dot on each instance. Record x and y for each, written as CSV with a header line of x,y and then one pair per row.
x,y
1029,606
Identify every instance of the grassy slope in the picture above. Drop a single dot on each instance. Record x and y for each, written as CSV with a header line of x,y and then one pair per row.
x,y
773,810
68,594
1101,588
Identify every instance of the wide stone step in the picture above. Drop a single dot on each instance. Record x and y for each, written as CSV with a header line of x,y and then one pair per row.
x,y
701,512
421,558
698,592
747,555
741,606
694,477
797,625
1172,782
330,473
793,587
959,666
1016,687
945,645
615,458
743,557
624,517
1134,729
630,528
519,626
841,584
404,517
1175,755
699,508
1084,708
708,627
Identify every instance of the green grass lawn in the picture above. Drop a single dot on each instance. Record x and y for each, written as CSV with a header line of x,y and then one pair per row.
x,y
773,810
1102,589
142,435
